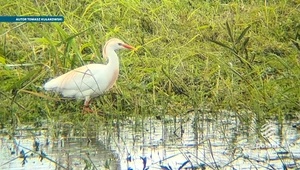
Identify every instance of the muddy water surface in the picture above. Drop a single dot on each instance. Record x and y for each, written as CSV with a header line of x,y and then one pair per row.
x,y
185,142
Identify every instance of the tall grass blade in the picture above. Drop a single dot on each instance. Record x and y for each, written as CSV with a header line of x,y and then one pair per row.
x,y
222,45
296,44
69,38
244,44
25,80
39,95
94,43
229,32
282,62
174,84
242,35
2,60
243,48
63,35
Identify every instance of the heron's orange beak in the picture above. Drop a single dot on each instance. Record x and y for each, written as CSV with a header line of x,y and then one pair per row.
x,y
129,47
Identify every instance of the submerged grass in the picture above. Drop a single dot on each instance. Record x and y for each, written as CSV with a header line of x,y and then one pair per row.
x,y
238,56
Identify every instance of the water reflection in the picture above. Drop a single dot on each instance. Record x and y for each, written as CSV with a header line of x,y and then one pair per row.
x,y
203,142
35,149
191,141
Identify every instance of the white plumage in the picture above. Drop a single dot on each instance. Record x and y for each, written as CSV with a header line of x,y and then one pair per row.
x,y
93,79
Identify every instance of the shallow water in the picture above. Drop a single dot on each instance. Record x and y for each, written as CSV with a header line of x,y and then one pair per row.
x,y
187,142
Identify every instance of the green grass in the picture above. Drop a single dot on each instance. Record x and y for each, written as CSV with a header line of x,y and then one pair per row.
x,y
238,56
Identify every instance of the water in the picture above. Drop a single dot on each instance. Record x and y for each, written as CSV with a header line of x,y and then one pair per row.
x,y
186,141
36,151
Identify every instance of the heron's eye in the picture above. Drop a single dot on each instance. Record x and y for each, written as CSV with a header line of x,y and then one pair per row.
x,y
120,44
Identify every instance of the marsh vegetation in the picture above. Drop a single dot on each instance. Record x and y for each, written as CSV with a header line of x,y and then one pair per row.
x,y
192,57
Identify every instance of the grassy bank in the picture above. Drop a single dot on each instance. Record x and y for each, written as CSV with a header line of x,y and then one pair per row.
x,y
191,57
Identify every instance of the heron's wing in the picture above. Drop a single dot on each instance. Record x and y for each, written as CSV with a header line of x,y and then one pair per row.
x,y
78,80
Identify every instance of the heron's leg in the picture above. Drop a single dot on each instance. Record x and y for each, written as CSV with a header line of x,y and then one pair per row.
x,y
86,107
87,101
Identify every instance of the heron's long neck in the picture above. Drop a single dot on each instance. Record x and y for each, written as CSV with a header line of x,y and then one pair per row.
x,y
113,59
